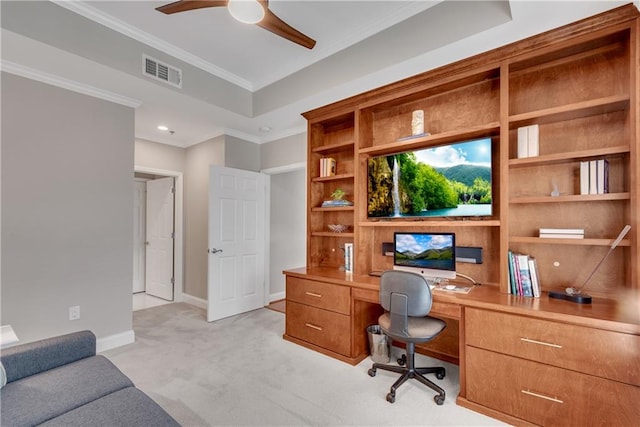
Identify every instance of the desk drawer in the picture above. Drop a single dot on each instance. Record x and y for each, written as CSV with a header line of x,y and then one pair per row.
x,y
319,294
603,353
547,395
320,327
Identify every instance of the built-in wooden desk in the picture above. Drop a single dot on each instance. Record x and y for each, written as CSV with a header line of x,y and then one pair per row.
x,y
524,360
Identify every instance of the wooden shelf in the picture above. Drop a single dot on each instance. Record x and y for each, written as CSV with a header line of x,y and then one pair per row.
x,y
460,135
430,223
574,242
333,147
331,234
333,177
571,198
571,111
569,156
333,209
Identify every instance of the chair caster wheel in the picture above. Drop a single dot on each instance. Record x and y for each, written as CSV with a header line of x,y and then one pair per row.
x,y
440,374
391,397
403,360
438,399
372,372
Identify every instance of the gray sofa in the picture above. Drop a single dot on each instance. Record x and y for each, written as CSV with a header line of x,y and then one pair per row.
x,y
62,382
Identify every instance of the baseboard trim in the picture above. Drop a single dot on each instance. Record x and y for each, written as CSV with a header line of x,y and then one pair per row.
x,y
114,341
276,297
195,301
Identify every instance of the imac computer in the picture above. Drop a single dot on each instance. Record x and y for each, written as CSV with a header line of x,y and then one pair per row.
x,y
432,255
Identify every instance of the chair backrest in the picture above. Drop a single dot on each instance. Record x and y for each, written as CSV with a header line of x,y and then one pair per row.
x,y
404,294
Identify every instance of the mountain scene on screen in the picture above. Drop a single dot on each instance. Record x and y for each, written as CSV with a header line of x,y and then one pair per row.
x,y
429,254
450,180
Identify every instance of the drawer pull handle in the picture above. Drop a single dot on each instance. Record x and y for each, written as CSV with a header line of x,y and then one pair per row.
x,y
541,343
311,294
541,396
309,325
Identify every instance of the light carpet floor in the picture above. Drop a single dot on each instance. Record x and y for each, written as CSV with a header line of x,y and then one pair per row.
x,y
240,372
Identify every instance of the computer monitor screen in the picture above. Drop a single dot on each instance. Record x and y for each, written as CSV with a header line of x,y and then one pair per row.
x,y
432,255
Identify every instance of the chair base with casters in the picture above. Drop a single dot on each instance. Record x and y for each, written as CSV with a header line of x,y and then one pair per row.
x,y
411,371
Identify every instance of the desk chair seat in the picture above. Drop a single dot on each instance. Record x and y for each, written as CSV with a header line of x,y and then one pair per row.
x,y
406,298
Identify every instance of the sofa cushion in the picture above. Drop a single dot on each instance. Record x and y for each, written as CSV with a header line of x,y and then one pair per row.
x,y
32,358
38,398
126,407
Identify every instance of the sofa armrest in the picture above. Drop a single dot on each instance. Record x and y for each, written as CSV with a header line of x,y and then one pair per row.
x,y
32,358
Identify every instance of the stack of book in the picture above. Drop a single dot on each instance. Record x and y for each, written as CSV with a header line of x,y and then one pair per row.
x,y
523,275
562,233
594,177
528,141
336,203
327,166
348,257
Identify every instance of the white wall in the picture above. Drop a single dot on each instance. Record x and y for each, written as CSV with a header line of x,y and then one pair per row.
x,y
287,246
67,177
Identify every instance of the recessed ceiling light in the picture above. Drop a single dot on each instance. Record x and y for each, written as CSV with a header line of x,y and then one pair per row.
x,y
265,129
163,128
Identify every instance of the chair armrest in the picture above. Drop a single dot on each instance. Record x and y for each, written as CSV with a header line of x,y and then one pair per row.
x,y
39,356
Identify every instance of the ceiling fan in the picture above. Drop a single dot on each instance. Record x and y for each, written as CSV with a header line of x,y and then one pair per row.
x,y
247,11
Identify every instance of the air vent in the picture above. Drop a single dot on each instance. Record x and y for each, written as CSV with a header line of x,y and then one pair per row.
x,y
156,69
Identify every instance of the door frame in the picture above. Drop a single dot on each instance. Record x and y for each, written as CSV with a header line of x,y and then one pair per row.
x,y
178,263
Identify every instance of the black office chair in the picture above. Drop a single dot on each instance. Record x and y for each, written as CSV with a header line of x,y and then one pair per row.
x,y
406,298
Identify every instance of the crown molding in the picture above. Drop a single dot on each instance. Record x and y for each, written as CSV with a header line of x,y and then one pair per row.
x,y
115,24
53,80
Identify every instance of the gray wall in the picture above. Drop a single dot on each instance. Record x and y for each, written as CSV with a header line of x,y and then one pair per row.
x,y
159,156
283,152
67,176
196,198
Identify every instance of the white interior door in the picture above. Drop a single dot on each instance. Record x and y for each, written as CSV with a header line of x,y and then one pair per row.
x,y
159,265
236,252
139,234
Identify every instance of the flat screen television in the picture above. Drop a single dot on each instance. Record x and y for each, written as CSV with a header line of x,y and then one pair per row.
x,y
432,255
451,180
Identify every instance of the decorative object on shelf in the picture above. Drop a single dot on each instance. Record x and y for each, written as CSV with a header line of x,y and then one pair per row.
x,y
337,201
338,228
574,294
555,192
417,122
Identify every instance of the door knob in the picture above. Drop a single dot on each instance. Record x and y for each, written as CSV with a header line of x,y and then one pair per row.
x,y
214,250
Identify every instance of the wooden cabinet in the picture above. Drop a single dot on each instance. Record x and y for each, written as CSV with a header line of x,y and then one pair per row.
x,y
578,84
550,373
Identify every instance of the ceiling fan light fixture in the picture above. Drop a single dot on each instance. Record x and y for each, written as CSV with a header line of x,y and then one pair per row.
x,y
246,11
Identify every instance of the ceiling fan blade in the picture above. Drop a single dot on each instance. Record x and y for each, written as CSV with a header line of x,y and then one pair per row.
x,y
184,5
277,26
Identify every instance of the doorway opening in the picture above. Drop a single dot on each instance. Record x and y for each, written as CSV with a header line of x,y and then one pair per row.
x,y
158,242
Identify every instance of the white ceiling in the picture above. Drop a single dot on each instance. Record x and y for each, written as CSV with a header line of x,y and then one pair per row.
x,y
239,78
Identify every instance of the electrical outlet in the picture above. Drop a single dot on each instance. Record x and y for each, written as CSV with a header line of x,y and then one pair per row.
x,y
74,312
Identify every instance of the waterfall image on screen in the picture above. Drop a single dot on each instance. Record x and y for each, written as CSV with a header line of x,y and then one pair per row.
x,y
444,181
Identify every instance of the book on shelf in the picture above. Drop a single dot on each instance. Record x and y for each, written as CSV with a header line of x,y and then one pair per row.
x,y
602,178
523,275
561,233
336,203
327,167
584,177
594,177
533,270
528,141
348,257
